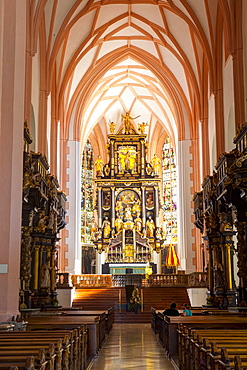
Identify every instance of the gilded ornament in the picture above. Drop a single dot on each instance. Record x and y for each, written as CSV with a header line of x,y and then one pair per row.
x,y
239,161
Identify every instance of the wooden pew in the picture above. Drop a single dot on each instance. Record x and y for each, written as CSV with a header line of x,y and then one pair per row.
x,y
53,349
26,350
239,364
103,329
211,351
70,322
28,364
39,359
171,323
109,314
198,349
68,338
198,344
227,358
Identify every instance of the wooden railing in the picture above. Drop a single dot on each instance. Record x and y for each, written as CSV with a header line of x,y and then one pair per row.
x,y
193,280
91,281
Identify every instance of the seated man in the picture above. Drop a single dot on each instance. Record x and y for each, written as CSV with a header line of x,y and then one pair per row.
x,y
172,311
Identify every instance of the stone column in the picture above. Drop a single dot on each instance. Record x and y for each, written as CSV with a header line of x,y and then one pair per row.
x,y
112,160
143,209
142,158
100,207
185,226
73,227
113,216
156,206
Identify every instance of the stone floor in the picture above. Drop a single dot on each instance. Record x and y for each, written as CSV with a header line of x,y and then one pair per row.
x,y
131,346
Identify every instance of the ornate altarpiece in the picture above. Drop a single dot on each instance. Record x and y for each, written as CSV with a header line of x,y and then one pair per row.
x,y
43,216
128,199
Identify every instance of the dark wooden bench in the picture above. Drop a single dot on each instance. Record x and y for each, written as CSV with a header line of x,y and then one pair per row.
x,y
195,344
70,322
53,350
201,348
39,356
69,339
27,364
170,327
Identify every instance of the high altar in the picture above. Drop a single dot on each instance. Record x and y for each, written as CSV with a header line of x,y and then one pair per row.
x,y
129,201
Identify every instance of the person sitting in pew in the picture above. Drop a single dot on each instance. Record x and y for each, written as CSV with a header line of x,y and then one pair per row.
x,y
186,310
172,311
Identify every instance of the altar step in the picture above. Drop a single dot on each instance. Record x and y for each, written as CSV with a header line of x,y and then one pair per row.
x,y
131,317
103,298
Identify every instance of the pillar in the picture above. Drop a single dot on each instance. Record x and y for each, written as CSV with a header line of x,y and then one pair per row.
x,y
73,240
12,86
185,211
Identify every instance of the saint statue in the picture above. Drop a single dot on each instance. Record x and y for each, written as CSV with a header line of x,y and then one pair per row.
x,y
138,223
127,120
41,227
45,276
112,127
128,213
156,165
94,231
141,127
127,158
136,206
106,228
118,224
99,164
150,227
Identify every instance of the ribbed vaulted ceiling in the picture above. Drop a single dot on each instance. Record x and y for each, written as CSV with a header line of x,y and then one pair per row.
x,y
152,58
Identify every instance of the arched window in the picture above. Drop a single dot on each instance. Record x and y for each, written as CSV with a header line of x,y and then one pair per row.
x,y
86,192
170,222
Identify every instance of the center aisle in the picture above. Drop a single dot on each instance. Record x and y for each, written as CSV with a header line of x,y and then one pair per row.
x,y
131,346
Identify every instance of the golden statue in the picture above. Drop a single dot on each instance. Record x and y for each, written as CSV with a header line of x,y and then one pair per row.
x,y
94,233
138,223
127,158
150,227
112,127
118,224
127,120
141,127
156,165
99,164
106,228
136,206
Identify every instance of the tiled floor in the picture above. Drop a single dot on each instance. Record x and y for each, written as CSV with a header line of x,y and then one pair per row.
x,y
131,346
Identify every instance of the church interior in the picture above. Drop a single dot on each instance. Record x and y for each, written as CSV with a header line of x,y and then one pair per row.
x,y
123,168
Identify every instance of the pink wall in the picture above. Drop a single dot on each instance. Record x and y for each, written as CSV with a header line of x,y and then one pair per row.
x,y
13,19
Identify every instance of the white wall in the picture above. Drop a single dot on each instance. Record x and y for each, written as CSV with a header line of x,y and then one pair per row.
x,y
197,296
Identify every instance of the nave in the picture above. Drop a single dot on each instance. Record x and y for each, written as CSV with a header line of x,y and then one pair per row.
x,y
131,346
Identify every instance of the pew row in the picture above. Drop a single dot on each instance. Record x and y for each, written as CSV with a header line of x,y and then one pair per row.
x,y
40,362
90,323
19,365
73,342
212,348
168,334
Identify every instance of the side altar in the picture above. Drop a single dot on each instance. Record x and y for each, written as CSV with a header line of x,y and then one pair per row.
x,y
129,203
